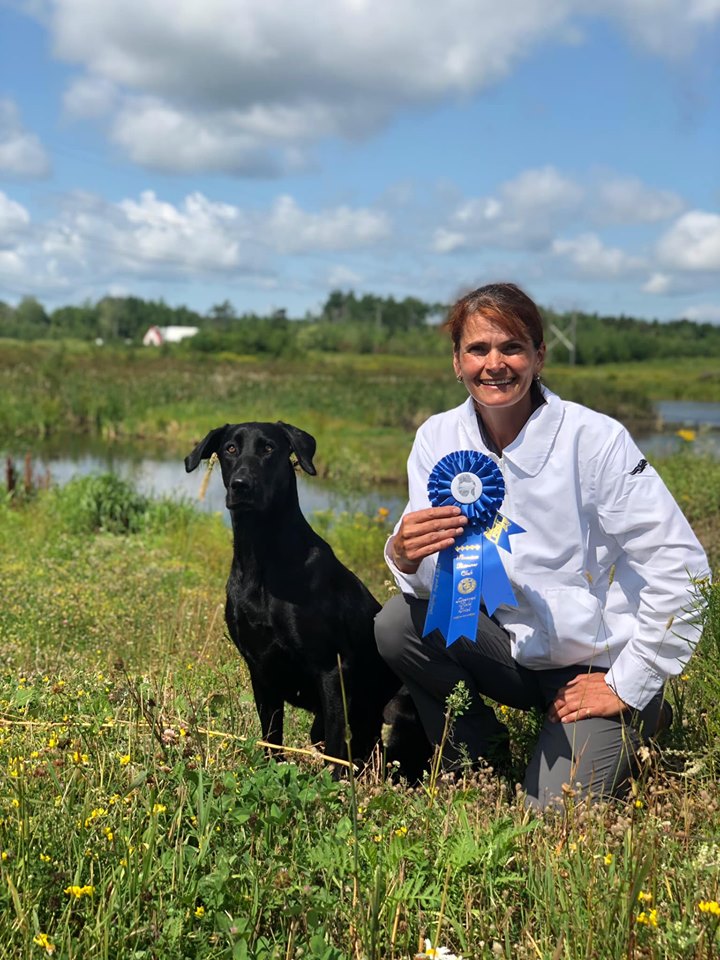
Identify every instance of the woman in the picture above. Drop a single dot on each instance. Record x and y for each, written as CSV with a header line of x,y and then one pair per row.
x,y
602,574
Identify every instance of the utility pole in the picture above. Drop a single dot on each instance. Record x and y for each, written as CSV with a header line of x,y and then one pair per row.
x,y
566,335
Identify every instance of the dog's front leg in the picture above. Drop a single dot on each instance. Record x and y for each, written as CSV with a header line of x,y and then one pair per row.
x,y
333,709
271,711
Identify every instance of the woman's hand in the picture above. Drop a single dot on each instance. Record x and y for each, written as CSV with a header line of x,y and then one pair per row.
x,y
586,695
423,533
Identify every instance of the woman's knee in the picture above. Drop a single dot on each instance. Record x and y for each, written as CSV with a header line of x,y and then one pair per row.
x,y
393,630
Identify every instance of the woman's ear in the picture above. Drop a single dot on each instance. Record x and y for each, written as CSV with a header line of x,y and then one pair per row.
x,y
456,365
540,359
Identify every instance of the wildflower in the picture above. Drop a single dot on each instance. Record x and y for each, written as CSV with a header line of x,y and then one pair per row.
x,y
608,859
43,940
709,906
159,808
4,856
78,892
644,897
649,918
124,759
436,953
639,804
200,912
377,838
97,812
401,831
687,435
45,858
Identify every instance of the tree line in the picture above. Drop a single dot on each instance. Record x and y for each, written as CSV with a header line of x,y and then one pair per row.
x,y
345,323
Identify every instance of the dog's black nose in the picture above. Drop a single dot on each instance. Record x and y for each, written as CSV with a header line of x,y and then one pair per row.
x,y
240,484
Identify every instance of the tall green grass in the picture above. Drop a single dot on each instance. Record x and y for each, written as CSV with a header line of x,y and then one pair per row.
x,y
362,409
139,818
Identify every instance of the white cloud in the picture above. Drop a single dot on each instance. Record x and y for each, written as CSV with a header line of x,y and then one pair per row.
x,y
668,28
90,97
233,85
343,278
292,230
21,153
658,283
525,214
625,200
692,243
593,260
92,240
13,218
703,312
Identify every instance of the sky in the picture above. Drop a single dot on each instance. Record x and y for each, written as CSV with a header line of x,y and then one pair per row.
x,y
267,152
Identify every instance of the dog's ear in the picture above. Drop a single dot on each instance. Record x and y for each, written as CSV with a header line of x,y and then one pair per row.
x,y
302,444
205,448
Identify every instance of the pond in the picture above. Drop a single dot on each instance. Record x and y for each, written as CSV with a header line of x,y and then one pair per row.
x,y
163,476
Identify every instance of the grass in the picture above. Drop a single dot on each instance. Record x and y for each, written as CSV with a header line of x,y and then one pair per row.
x,y
140,819
362,409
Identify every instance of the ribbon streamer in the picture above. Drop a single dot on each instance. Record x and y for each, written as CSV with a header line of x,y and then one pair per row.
x,y
471,570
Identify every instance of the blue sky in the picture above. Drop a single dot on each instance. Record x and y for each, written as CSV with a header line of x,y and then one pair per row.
x,y
268,152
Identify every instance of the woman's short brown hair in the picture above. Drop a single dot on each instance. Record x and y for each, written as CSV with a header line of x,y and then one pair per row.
x,y
504,304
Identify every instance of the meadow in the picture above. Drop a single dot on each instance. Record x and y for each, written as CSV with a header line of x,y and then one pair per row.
x,y
363,409
139,817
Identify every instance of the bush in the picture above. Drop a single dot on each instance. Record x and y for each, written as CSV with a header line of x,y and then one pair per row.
x,y
101,502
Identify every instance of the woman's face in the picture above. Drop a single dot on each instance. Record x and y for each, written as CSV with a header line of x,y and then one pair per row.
x,y
496,367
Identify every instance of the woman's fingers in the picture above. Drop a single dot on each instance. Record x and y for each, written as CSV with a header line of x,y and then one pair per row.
x,y
425,532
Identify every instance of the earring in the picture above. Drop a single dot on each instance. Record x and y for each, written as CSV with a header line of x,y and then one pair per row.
x,y
459,378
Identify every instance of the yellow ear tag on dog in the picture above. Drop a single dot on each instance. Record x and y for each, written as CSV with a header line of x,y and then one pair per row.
x,y
206,479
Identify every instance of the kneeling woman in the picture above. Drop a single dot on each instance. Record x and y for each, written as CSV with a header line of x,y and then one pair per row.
x,y
602,575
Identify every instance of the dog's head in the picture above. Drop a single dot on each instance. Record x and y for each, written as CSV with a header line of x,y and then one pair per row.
x,y
255,461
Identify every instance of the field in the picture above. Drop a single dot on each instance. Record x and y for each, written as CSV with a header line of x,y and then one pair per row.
x,y
362,409
140,819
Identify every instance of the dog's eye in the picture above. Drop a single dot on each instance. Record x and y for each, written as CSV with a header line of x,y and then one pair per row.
x,y
231,448
268,448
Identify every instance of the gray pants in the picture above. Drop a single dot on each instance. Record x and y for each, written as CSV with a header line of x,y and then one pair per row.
x,y
594,756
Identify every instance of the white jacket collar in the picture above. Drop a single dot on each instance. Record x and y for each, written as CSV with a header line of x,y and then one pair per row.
x,y
531,448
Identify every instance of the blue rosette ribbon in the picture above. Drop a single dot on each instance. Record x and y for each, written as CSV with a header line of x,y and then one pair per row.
x,y
471,570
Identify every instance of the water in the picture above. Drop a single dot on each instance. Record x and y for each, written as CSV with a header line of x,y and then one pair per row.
x,y
165,476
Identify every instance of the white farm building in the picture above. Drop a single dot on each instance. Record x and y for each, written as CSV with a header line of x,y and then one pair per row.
x,y
157,336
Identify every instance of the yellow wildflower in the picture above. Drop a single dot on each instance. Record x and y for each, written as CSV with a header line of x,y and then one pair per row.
x,y
159,808
709,906
78,892
42,940
608,859
401,831
200,912
687,435
649,918
645,897
124,759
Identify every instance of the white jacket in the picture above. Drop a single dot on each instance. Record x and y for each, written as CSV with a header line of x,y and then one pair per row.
x,y
603,573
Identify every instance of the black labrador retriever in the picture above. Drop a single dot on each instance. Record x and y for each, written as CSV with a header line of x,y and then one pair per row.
x,y
292,607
